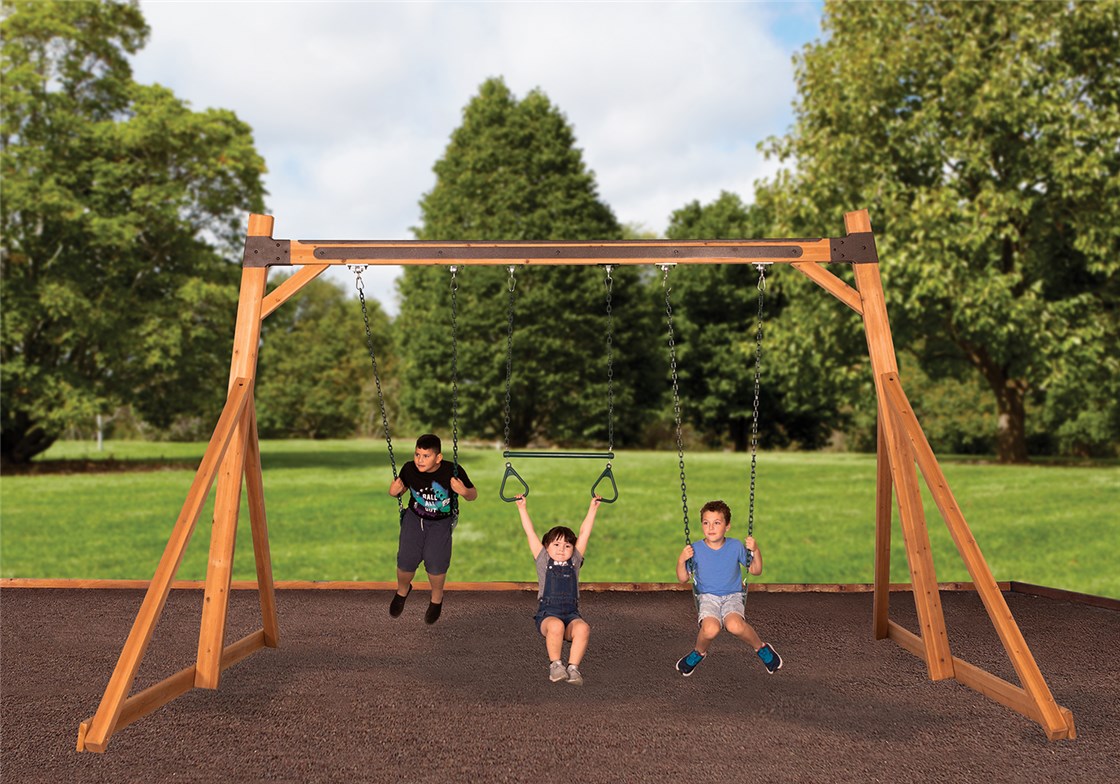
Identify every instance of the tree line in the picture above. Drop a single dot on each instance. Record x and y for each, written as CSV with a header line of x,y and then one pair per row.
x,y
984,141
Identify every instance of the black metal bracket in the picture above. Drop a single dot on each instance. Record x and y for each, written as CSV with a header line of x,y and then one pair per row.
x,y
266,252
857,248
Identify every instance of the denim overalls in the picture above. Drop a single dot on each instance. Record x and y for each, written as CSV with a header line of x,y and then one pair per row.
x,y
561,593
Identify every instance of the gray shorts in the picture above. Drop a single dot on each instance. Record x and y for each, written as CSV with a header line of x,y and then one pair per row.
x,y
719,607
424,540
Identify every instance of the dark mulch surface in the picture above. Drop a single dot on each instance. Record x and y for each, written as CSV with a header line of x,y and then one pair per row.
x,y
352,695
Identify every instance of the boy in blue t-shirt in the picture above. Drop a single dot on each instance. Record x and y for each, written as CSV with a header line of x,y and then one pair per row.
x,y
719,587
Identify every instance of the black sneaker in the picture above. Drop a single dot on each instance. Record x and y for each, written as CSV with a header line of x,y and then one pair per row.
x,y
689,663
396,607
432,615
770,658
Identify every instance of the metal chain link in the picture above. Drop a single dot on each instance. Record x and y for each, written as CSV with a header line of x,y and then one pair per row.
x,y
757,377
512,284
360,286
454,373
610,364
676,400
454,392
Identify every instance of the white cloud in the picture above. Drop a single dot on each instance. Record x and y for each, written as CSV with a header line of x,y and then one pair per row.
x,y
352,102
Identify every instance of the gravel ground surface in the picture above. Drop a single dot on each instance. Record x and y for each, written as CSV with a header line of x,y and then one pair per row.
x,y
353,695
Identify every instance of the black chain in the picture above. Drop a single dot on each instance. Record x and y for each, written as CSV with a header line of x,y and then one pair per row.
x,y
610,365
454,392
357,270
676,403
454,374
757,376
509,355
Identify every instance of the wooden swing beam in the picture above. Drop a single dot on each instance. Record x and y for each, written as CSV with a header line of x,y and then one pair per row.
x,y
234,453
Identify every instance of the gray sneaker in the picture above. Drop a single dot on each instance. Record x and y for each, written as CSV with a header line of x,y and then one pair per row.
x,y
574,676
556,672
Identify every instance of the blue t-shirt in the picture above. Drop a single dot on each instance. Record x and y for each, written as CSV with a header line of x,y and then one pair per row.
x,y
717,571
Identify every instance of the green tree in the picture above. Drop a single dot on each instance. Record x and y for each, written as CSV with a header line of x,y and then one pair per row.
x,y
315,377
984,138
512,172
119,210
718,325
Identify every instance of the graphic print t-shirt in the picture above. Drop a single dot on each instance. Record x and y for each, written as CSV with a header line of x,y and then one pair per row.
x,y
430,493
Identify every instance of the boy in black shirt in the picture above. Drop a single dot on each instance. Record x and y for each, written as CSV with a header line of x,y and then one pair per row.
x,y
426,524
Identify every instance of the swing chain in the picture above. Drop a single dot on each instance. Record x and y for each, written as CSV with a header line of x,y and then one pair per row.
x,y
512,284
610,364
676,400
360,286
454,373
757,377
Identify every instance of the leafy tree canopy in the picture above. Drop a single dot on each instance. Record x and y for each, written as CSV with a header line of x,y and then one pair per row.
x,y
315,377
512,172
119,209
984,138
718,327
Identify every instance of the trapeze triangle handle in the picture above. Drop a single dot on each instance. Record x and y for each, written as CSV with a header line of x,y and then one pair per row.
x,y
607,474
502,490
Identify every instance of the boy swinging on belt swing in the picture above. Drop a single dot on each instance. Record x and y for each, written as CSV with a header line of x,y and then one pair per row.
x,y
714,563
427,522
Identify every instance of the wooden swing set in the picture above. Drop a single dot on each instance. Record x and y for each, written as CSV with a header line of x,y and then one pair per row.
x,y
233,453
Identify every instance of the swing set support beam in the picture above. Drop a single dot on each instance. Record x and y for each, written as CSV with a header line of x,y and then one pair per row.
x,y
232,461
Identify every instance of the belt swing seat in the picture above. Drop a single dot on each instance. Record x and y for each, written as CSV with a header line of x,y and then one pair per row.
x,y
454,286
691,564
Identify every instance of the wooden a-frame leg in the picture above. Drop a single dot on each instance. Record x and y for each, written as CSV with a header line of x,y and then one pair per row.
x,y
923,576
1057,721
95,736
883,493
254,487
219,570
227,503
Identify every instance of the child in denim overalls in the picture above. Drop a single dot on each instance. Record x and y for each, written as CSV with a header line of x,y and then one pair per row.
x,y
559,555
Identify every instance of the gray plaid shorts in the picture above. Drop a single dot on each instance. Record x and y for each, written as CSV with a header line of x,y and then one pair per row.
x,y
719,607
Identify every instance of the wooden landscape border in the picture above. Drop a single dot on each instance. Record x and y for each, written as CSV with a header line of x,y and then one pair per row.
x,y
1006,586
233,455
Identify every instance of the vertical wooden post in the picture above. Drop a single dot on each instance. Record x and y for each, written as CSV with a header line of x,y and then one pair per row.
x,y
880,349
880,608
254,488
227,501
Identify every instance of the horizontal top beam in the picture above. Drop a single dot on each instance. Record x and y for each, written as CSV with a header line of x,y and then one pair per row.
x,y
856,248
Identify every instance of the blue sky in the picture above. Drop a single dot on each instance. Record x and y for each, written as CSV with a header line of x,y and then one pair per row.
x,y
352,102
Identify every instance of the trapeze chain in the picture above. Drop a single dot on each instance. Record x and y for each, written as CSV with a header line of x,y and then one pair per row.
x,y
512,284
360,286
757,377
676,398
610,364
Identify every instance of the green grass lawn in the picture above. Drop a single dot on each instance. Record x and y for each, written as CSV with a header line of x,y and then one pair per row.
x,y
330,517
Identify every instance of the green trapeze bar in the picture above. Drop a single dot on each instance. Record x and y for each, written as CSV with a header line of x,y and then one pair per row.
x,y
549,453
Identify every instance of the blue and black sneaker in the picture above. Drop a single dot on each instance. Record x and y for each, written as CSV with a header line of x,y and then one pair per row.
x,y
689,663
770,658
